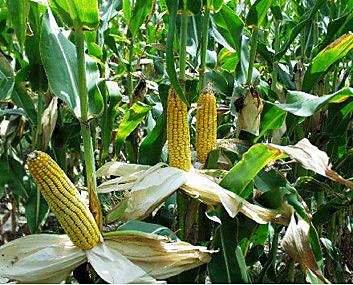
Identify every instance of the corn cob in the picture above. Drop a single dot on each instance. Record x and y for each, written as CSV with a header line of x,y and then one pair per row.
x,y
178,132
206,124
64,200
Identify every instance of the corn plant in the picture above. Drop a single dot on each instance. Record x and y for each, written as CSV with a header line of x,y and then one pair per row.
x,y
185,141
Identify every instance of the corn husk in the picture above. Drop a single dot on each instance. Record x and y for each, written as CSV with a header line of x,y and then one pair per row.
x,y
40,258
158,255
152,187
124,257
114,268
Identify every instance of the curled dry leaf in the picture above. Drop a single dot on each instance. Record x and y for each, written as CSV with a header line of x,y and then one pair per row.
x,y
50,115
158,255
115,268
312,158
296,243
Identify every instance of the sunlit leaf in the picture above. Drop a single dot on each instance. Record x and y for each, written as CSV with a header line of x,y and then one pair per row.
x,y
131,120
83,13
328,56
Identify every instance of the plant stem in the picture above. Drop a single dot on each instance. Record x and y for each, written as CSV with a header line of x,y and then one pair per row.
x,y
182,201
40,109
183,41
130,70
253,50
206,20
275,64
85,125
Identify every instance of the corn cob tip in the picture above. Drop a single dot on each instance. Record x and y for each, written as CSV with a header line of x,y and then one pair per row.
x,y
33,155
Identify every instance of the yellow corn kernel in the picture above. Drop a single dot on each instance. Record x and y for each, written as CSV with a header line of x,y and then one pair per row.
x,y
206,124
178,132
64,200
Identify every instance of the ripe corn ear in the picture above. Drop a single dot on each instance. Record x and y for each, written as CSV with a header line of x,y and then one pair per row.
x,y
64,200
178,132
206,124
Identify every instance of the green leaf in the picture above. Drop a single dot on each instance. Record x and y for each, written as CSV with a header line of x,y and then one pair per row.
x,y
37,76
257,13
170,67
304,19
36,210
60,63
109,114
304,104
23,100
230,26
12,175
151,147
336,28
127,10
215,5
18,12
147,228
272,117
328,56
131,120
256,158
83,13
7,78
12,112
140,12
228,265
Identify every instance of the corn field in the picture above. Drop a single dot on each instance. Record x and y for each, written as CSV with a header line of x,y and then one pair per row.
x,y
176,141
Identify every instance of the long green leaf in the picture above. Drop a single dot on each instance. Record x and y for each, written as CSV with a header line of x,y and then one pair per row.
x,y
140,12
256,158
12,175
60,63
304,104
272,117
18,11
7,78
230,26
36,210
258,12
307,17
335,28
83,12
173,7
328,56
131,120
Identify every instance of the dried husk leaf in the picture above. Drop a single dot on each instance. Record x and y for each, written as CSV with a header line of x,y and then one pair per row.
x,y
296,243
158,183
250,116
50,115
148,193
117,168
312,158
40,258
115,268
158,255
210,193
